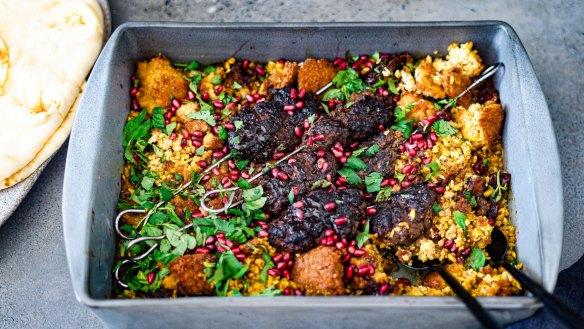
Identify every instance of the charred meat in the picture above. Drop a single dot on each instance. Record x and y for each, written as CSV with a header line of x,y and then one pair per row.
x,y
305,222
405,217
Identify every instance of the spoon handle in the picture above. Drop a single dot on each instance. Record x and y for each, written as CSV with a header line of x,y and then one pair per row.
x,y
569,316
471,303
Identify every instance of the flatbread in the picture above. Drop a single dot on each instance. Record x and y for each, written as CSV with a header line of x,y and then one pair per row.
x,y
51,146
51,46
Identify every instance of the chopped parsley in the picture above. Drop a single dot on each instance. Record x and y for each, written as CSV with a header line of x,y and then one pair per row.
x,y
227,267
356,163
383,194
348,82
321,183
372,150
436,208
170,128
434,167
362,237
222,132
350,175
236,85
401,123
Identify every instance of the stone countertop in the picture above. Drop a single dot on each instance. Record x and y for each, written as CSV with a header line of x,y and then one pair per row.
x,y
35,288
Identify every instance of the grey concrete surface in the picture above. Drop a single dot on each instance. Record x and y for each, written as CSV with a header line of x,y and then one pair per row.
x,y
35,288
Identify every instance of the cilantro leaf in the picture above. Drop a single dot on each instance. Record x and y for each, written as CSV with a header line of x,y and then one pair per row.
x,y
459,218
373,182
209,69
204,115
216,79
238,124
291,196
358,152
350,175
268,264
435,167
254,198
147,182
193,65
362,237
356,163
348,82
401,123
476,259
241,164
200,150
392,88
372,150
443,128
236,85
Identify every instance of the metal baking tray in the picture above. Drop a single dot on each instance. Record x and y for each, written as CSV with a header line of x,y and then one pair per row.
x,y
94,164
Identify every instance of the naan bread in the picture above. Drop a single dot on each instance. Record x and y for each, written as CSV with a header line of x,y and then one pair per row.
x,y
47,50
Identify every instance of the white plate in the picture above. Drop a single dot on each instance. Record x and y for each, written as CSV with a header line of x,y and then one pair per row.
x,y
11,197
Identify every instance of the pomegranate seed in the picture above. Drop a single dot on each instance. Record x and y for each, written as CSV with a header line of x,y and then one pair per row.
x,y
392,182
218,90
349,273
323,241
417,136
197,143
343,159
299,104
150,277
205,96
396,98
278,156
299,213
298,131
210,240
297,292
433,137
341,220
298,204
466,252
301,93
245,175
133,92
329,232
412,153
384,289
325,167
363,269
283,176
384,183
281,266
183,142
318,138
245,64
293,93
289,107
205,179
263,234
405,184
306,124
198,134
359,253
217,103
491,221
320,154
330,206
277,258
426,160
273,272
440,189
381,128
218,154
414,170
351,249
176,103
230,126
448,243
249,98
168,115
259,70
371,211
339,245
202,250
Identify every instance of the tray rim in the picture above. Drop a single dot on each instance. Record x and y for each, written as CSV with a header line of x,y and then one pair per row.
x,y
514,302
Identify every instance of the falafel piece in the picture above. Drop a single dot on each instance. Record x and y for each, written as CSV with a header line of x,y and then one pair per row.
x,y
159,82
187,275
319,272
481,123
315,74
283,74
184,205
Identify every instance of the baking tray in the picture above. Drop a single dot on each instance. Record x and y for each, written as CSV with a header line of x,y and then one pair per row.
x,y
94,164
11,197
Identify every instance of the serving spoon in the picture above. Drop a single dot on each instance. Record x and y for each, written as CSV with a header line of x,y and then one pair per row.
x,y
497,250
471,303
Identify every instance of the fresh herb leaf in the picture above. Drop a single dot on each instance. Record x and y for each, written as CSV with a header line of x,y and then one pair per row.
x,y
170,128
348,82
254,198
158,118
236,85
270,291
436,208
356,163
362,237
383,194
216,79
200,150
443,128
227,267
373,182
375,56
476,259
235,140
209,69
372,150
401,123
358,152
222,132
332,93
291,196
204,115
321,183
434,167
460,218
147,182
193,65
400,177
241,164
350,175
311,118
268,264
392,88
238,124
